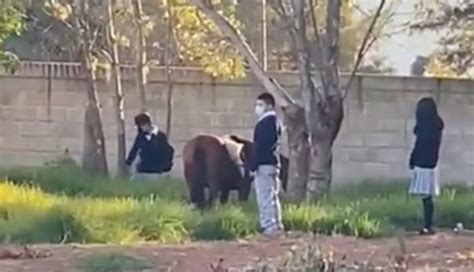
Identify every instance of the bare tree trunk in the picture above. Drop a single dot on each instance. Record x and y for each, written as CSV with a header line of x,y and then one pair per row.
x,y
327,118
311,157
168,56
299,151
320,170
94,159
141,55
169,103
323,104
119,97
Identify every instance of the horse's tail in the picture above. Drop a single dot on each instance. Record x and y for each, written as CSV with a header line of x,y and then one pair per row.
x,y
199,178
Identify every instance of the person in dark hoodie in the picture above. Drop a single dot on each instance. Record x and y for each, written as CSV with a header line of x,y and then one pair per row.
x,y
156,154
424,159
266,165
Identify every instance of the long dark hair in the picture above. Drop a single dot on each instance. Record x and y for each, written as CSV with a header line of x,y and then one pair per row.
x,y
427,117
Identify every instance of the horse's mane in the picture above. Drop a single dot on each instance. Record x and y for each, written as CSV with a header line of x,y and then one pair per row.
x,y
233,148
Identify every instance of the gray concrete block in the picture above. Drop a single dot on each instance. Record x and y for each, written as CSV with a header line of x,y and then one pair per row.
x,y
385,139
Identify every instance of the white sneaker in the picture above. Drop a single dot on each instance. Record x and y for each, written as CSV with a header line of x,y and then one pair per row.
x,y
274,233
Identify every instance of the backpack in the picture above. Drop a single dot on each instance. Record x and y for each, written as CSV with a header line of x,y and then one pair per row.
x,y
168,153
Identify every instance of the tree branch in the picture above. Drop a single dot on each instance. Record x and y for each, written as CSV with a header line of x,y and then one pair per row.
x,y
270,84
444,16
317,36
363,47
331,48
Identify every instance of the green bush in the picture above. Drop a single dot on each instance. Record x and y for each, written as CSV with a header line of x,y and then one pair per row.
x,y
60,203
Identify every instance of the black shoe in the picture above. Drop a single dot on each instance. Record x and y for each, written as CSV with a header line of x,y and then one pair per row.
x,y
427,231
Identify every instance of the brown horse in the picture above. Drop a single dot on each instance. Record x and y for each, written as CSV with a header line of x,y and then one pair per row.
x,y
220,164
216,163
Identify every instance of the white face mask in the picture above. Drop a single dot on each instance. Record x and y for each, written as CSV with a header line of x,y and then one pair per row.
x,y
259,110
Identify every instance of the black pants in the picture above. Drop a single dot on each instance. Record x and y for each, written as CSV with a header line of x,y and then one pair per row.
x,y
428,211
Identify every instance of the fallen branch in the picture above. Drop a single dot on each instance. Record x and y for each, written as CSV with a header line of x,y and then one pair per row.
x,y
25,253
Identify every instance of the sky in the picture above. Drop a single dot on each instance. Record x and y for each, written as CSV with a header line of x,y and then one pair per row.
x,y
402,49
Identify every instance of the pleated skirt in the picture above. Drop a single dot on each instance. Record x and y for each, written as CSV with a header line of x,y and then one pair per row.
x,y
424,182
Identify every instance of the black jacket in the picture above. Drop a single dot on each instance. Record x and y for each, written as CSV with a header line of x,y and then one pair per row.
x,y
266,140
154,153
425,153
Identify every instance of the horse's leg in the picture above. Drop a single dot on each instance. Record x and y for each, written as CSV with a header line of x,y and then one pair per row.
x,y
224,195
195,175
213,182
244,191
197,195
213,193
213,177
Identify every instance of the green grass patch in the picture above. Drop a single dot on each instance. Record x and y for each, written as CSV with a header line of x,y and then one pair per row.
x,y
225,223
112,263
30,215
65,178
59,203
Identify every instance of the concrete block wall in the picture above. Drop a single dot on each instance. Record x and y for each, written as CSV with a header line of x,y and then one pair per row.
x,y
374,142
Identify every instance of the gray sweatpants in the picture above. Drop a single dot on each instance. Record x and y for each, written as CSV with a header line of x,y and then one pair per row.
x,y
267,186
147,177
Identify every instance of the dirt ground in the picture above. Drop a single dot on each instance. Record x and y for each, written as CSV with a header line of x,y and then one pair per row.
x,y
442,252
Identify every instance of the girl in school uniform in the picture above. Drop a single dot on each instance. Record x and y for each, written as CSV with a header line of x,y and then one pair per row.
x,y
424,159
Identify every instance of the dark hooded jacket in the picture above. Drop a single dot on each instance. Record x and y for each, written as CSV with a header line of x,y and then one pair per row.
x,y
156,154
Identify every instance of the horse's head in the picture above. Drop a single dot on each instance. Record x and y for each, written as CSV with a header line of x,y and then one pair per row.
x,y
246,157
245,153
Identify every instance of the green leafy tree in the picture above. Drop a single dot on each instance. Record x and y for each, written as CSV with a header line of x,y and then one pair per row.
x,y
456,22
11,23
195,40
200,42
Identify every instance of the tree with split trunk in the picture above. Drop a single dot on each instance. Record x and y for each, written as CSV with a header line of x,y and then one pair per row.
x,y
84,20
314,124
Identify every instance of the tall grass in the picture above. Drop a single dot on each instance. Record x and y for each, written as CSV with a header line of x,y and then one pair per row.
x,y
66,178
59,203
30,215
